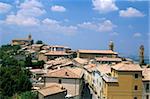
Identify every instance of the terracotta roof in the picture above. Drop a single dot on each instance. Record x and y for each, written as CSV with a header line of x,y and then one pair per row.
x,y
107,78
104,68
38,71
127,66
56,53
81,61
98,51
65,73
90,67
43,51
50,90
146,74
37,45
108,59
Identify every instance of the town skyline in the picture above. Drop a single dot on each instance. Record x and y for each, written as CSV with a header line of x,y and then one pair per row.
x,y
78,24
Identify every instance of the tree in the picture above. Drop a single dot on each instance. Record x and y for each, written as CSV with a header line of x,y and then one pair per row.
x,y
28,95
28,61
14,80
39,42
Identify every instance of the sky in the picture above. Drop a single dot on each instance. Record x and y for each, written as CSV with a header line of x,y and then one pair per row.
x,y
79,24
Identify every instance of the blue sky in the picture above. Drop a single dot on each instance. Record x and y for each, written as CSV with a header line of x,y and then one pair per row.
x,y
79,24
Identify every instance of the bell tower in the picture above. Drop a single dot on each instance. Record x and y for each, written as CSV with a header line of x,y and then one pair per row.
x,y
30,37
111,45
141,55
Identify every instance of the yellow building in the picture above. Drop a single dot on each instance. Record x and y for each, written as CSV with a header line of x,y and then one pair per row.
x,y
125,82
25,41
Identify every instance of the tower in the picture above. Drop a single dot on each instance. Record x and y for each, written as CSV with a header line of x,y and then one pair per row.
x,y
141,55
30,37
111,45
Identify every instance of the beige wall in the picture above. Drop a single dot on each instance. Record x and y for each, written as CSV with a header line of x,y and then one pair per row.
x,y
93,55
73,86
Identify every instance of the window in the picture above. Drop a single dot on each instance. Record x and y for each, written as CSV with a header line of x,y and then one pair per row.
x,y
136,75
135,97
147,96
59,81
135,87
147,86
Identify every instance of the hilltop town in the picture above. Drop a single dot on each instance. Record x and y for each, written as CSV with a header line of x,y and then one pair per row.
x,y
59,72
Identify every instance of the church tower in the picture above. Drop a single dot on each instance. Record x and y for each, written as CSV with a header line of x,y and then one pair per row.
x,y
141,55
111,45
30,37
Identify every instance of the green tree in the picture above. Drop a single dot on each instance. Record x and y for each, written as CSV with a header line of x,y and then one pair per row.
x,y
14,80
28,61
39,42
28,95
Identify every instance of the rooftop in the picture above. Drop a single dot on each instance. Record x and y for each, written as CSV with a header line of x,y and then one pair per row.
x,y
104,68
56,53
109,78
127,66
108,59
50,90
65,73
146,74
98,51
81,61
90,67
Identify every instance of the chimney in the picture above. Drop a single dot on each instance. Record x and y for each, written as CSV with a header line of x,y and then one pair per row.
x,y
66,73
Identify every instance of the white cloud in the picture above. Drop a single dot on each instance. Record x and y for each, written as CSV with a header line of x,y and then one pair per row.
x,y
104,6
88,25
137,35
4,7
57,8
105,26
31,8
114,34
131,12
56,26
21,20
27,14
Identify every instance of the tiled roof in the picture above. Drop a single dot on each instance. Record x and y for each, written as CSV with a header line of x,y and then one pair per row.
x,y
98,51
146,74
37,45
38,71
65,73
56,53
90,67
81,61
50,90
104,68
107,78
108,59
127,66
43,51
